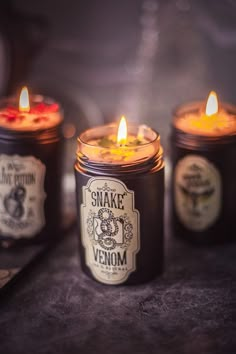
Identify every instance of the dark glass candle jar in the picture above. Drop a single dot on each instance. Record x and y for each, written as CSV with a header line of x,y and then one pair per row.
x,y
203,155
30,171
120,191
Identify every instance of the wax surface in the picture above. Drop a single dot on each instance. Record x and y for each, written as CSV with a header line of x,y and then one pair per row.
x,y
219,124
111,141
107,149
40,116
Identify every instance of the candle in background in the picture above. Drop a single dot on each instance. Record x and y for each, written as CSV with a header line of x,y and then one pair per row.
x,y
30,169
204,171
120,187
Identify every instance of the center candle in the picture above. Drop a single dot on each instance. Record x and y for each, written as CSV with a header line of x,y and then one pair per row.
x,y
120,192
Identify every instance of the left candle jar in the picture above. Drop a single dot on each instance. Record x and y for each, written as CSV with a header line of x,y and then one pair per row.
x,y
30,169
120,197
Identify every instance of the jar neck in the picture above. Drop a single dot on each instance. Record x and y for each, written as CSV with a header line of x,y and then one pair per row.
x,y
99,153
40,135
200,142
155,162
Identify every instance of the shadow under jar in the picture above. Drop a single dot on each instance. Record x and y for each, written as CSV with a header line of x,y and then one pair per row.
x,y
30,171
203,190
120,196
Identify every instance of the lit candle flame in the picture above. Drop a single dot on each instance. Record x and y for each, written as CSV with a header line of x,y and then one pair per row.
x,y
24,105
212,104
122,132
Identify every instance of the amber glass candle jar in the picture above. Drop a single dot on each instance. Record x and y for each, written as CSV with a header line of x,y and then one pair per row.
x,y
30,170
120,191
203,144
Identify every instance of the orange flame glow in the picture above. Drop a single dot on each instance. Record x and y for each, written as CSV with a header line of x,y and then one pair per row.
x,y
24,105
122,132
212,104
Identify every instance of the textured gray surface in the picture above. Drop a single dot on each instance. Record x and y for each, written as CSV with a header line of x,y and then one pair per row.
x,y
190,309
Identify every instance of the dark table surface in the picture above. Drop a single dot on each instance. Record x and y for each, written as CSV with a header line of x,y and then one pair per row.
x,y
191,308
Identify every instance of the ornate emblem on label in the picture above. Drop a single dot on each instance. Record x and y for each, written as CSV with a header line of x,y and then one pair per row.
x,y
21,196
197,192
110,229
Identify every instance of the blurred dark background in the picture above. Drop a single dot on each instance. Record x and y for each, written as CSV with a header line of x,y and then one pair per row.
x,y
104,58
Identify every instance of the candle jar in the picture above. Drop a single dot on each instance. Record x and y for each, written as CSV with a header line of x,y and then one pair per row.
x,y
30,172
203,188
120,207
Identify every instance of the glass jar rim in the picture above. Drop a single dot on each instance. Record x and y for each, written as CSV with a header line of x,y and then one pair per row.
x,y
193,106
48,133
199,140
35,99
117,155
83,141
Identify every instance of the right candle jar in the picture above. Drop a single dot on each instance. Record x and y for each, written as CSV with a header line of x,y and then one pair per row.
x,y
203,165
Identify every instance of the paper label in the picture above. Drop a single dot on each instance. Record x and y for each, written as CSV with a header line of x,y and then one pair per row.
x,y
110,229
22,196
197,190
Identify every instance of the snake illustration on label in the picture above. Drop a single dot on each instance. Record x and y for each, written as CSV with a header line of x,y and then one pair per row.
x,y
22,196
110,229
197,191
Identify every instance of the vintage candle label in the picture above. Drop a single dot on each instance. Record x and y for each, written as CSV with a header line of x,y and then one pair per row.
x,y
197,192
110,229
21,196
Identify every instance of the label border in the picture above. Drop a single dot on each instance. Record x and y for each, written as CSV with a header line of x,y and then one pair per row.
x,y
214,171
43,196
82,228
